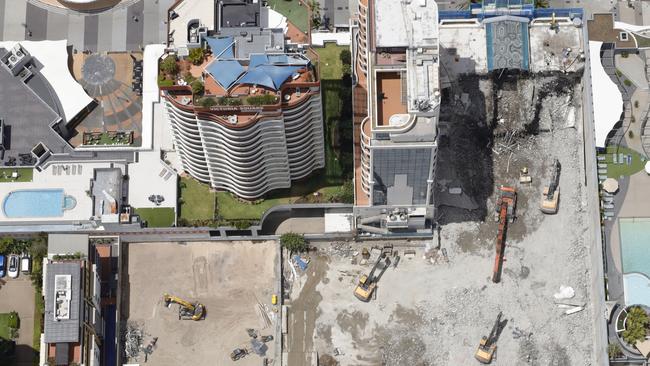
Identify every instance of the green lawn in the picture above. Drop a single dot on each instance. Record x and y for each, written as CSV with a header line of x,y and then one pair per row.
x,y
38,315
24,175
5,321
295,12
231,208
642,42
197,202
331,66
157,216
617,170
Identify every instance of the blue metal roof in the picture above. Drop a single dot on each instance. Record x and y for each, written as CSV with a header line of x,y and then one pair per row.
x,y
258,59
270,76
221,47
225,72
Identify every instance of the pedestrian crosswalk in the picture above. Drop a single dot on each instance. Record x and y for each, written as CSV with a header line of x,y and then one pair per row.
x,y
129,26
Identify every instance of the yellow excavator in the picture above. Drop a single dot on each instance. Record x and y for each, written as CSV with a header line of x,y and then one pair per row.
x,y
186,310
551,193
488,345
368,283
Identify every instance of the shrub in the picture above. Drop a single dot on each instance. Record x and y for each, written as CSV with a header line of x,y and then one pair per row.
x,y
207,102
614,350
188,77
13,321
625,54
169,65
197,87
619,73
627,82
630,134
263,99
229,101
636,322
163,82
196,55
242,224
294,242
346,57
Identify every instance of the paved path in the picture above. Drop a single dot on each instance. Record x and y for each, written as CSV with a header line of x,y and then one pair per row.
x,y
126,27
18,295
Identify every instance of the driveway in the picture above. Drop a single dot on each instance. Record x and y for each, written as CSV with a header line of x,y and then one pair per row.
x,y
18,294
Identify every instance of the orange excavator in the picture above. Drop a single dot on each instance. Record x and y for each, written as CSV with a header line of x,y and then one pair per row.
x,y
505,214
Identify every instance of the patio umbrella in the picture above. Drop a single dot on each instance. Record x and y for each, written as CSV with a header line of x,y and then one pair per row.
x,y
647,167
610,185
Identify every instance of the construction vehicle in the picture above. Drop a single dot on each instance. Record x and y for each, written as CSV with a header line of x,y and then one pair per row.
x,y
524,176
186,309
551,193
505,214
238,353
367,284
488,345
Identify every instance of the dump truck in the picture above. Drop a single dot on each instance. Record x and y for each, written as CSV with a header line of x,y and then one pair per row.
x,y
368,283
186,310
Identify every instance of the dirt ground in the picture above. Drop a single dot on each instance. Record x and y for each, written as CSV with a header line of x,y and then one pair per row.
x,y
17,294
229,278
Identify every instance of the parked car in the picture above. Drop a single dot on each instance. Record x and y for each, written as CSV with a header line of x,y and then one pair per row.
x,y
14,266
25,264
2,265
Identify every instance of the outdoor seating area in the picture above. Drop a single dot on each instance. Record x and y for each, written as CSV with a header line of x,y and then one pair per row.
x,y
120,138
136,84
157,199
26,159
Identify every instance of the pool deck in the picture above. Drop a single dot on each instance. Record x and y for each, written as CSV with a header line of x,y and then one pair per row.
x,y
72,185
631,201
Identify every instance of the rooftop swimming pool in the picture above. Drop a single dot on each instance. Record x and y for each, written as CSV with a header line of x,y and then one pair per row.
x,y
634,236
37,203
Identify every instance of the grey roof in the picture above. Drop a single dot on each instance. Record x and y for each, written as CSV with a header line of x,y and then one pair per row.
x,y
254,40
29,109
63,331
338,11
238,13
109,180
400,175
67,243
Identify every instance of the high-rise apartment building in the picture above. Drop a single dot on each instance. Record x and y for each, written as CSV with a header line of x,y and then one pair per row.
x,y
258,125
396,108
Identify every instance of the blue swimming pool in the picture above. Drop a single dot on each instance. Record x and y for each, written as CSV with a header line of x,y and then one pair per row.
x,y
37,203
634,236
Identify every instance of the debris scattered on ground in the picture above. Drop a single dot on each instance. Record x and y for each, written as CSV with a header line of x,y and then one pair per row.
x,y
566,292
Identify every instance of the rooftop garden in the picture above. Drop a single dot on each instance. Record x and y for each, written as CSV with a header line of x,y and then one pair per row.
x,y
123,138
16,175
295,11
625,167
157,216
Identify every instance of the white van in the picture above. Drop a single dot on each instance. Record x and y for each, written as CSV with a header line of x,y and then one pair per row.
x,y
25,265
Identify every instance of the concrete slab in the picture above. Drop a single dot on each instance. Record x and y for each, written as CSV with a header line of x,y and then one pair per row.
x,y
14,28
57,26
76,32
633,67
105,33
119,30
